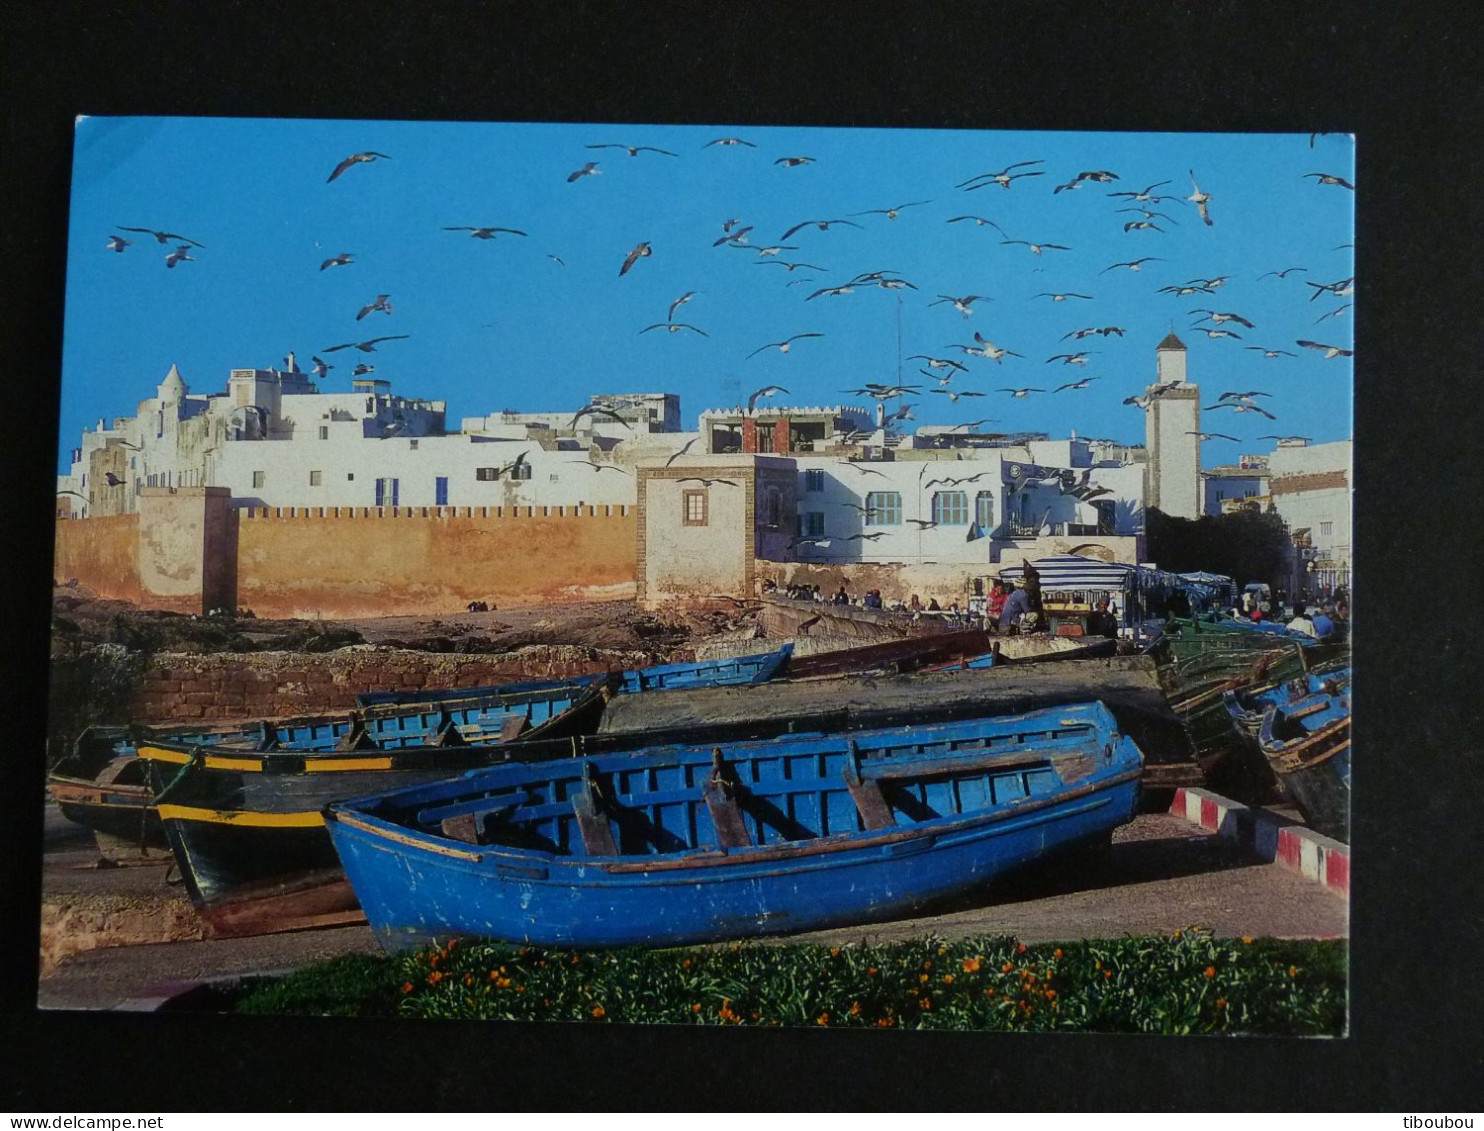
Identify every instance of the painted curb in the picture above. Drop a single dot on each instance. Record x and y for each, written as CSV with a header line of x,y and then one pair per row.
x,y
1270,837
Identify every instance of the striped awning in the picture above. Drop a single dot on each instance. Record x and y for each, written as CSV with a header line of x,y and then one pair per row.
x,y
1072,571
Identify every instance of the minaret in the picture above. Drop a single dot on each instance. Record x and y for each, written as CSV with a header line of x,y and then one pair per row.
x,y
1174,475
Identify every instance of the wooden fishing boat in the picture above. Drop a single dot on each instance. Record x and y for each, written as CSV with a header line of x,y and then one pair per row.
x,y
245,826
1307,744
700,843
727,672
100,789
1246,706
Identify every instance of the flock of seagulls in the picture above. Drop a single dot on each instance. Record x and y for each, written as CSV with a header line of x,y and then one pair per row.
x,y
1155,205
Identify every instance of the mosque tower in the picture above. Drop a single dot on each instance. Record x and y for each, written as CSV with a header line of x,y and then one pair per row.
x,y
1174,471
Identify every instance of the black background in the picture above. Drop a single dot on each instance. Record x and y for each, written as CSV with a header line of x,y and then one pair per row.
x,y
1402,80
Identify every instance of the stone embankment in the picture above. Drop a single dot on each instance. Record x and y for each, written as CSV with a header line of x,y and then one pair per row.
x,y
179,687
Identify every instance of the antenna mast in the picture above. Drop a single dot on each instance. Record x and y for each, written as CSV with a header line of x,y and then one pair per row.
x,y
899,337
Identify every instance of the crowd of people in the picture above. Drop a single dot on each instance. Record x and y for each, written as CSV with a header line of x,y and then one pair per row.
x,y
1327,619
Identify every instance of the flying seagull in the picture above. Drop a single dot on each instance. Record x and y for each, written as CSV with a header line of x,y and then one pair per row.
x,y
845,290
1281,439
634,256
1002,178
1218,333
707,482
179,255
368,346
362,369
632,150
1222,317
165,237
1241,406
1020,392
598,410
964,306
1214,436
1337,312
1148,214
1283,274
790,162
954,396
1061,296
674,326
485,233
822,225
560,262
321,367
1102,176
1331,179
1200,199
789,265
775,248
988,349
589,170
1329,351
979,221
1243,396
939,362
1142,225
1079,358
675,455
1037,248
1271,353
679,302
728,141
1339,288
1146,195
382,303
1133,264
342,260
782,347
356,159
118,243
765,391
891,213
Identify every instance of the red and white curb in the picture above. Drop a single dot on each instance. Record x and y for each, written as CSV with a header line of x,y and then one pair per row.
x,y
1268,836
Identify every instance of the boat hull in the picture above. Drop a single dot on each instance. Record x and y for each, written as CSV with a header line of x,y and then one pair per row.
x,y
1307,744
805,847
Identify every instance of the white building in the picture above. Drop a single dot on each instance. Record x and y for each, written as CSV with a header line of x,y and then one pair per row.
x,y
1311,489
1170,418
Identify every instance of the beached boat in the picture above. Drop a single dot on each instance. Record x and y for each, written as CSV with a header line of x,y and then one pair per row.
x,y
732,671
100,789
245,826
1307,744
1246,706
699,843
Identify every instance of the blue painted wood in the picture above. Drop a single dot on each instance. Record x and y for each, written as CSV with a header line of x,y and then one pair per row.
x,y
965,801
1307,744
666,677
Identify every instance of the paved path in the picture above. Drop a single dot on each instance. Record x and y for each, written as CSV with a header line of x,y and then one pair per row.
x,y
1162,874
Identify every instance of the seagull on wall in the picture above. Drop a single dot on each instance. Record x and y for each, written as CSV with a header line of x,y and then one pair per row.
x,y
165,237
356,159
782,347
381,303
640,252
344,259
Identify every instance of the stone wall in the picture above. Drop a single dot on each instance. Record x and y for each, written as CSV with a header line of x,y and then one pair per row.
x,y
181,688
102,554
360,562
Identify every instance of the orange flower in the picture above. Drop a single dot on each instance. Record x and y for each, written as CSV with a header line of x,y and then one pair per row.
x,y
942,950
685,965
1293,971
1050,993
989,992
1210,971
696,1008
574,960
1021,948
434,978
468,979
834,952
822,1019
885,1022
870,971
599,1012
406,987
1056,953
971,965
1107,973
927,1003
1246,940
948,979
855,1009
1221,1003
922,977
1006,968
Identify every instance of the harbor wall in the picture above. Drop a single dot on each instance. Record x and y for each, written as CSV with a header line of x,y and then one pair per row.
x,y
101,554
184,688
397,561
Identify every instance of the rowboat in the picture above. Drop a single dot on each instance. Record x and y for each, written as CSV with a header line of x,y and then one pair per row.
x,y
727,672
244,822
107,792
1246,706
700,843
1307,744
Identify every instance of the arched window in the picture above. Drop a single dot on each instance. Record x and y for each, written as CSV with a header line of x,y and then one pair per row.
x,y
984,510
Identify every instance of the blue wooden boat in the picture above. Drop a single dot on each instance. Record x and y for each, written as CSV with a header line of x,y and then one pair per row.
x,y
1246,706
699,843
728,672
1307,744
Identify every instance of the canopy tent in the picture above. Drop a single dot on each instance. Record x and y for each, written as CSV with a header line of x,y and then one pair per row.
x,y
1087,580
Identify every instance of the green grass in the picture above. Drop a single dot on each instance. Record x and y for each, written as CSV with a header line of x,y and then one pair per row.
x,y
1191,982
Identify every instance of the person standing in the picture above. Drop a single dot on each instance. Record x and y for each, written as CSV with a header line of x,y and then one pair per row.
x,y
1102,623
1017,605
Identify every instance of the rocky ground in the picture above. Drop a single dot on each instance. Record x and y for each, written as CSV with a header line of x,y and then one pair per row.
x,y
79,617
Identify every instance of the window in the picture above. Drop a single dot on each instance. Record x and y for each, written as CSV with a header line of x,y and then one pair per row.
x,y
349,476
486,474
814,480
440,491
258,477
984,510
1326,529
814,524
884,508
386,492
412,445
522,470
324,431
951,508
316,478
693,508
772,507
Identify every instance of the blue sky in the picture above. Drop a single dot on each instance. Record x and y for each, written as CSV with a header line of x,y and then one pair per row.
x,y
498,324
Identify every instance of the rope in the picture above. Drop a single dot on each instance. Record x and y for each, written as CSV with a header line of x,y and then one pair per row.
x,y
175,781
